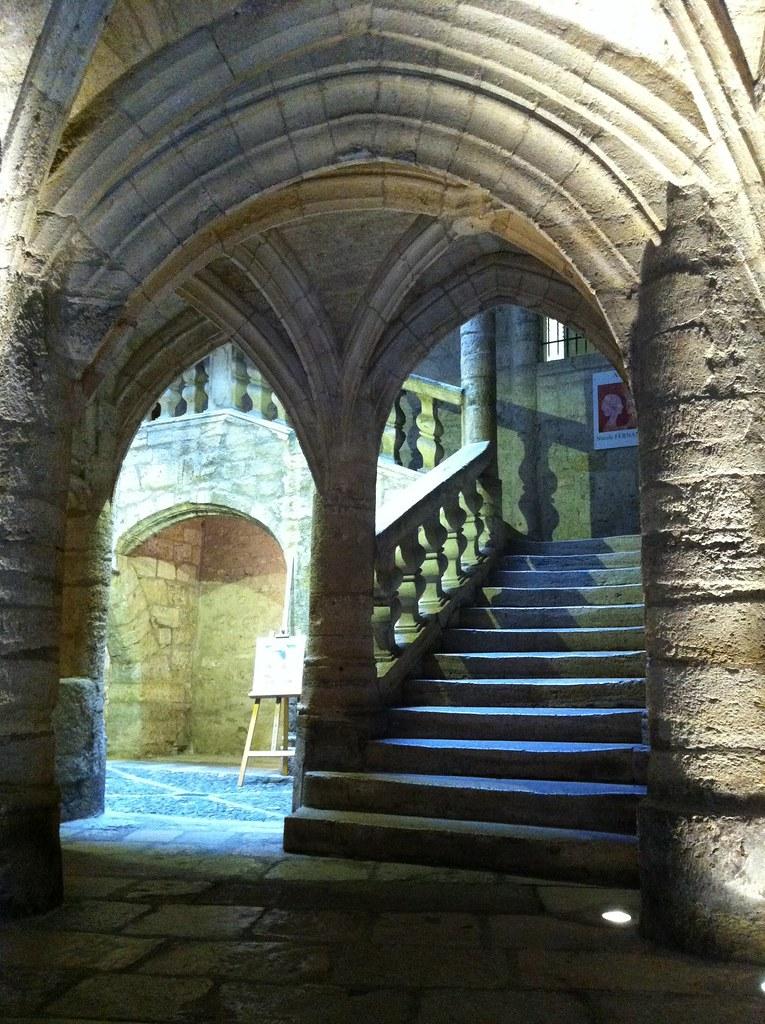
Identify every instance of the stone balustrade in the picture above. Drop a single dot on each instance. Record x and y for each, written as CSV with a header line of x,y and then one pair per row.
x,y
433,549
424,423
224,379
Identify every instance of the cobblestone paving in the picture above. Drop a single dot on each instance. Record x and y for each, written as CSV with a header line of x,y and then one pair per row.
x,y
196,791
190,919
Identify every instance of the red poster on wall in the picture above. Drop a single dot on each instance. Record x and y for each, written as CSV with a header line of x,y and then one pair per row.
x,y
614,419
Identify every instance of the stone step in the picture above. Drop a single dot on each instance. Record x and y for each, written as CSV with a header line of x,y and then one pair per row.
x,y
594,546
579,805
582,693
628,638
588,616
511,759
563,854
538,665
481,722
577,578
514,597
607,560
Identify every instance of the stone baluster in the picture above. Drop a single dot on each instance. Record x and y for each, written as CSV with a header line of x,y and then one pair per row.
x,y
170,399
474,528
241,399
430,430
432,537
281,412
393,434
220,377
453,518
259,392
189,401
387,609
410,556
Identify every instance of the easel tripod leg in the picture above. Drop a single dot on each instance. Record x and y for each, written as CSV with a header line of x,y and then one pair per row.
x,y
284,711
248,741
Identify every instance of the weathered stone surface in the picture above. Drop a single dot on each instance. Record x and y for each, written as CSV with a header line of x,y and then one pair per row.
x,y
699,333
78,722
155,999
211,922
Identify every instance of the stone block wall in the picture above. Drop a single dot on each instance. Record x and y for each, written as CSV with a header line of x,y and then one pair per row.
x,y
151,638
189,599
581,492
187,605
241,593
555,485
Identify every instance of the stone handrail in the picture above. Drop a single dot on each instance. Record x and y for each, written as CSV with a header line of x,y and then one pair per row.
x,y
433,549
225,379
415,427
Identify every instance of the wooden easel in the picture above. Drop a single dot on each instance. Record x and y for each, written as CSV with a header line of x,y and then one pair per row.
x,y
271,681
280,726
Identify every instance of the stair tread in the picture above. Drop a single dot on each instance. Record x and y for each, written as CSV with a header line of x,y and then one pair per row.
x,y
488,828
533,681
579,630
622,553
530,746
573,590
484,711
557,608
552,655
542,787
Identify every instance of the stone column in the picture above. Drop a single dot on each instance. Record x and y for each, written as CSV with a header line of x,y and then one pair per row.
x,y
519,337
478,372
79,715
698,364
340,706
34,455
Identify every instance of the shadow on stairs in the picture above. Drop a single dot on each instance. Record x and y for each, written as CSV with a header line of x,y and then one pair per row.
x,y
520,748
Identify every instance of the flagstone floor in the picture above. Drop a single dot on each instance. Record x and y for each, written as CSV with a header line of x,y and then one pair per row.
x,y
192,918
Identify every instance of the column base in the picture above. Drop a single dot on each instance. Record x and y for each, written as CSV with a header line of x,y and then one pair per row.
x,y
703,881
30,857
78,722
332,743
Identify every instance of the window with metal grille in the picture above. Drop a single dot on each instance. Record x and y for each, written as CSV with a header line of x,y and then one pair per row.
x,y
559,341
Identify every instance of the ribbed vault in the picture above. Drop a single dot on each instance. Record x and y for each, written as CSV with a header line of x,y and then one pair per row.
x,y
237,164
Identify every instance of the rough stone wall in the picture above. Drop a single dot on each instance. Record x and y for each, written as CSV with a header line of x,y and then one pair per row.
x,y
151,638
581,492
221,461
555,485
240,597
186,608
190,600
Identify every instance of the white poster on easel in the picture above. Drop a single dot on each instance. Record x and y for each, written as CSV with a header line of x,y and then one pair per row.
x,y
278,666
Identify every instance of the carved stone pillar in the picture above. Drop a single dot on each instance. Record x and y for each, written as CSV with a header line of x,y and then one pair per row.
x,y
340,702
478,372
34,474
79,715
698,363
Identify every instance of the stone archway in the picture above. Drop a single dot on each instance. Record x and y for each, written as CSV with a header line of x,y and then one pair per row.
x,y
187,603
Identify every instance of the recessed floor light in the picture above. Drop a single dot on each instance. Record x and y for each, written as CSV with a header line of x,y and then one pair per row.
x,y
762,986
616,916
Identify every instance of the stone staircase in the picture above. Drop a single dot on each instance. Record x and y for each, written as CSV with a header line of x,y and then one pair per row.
x,y
520,747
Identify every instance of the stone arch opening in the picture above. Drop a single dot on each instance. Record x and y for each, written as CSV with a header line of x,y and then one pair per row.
x,y
188,601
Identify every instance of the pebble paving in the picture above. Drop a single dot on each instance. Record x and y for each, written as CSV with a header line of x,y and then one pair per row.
x,y
196,791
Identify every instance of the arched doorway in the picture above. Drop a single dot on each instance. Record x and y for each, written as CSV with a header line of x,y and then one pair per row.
x,y
186,606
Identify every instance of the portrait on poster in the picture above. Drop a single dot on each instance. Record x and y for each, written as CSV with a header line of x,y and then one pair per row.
x,y
613,411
